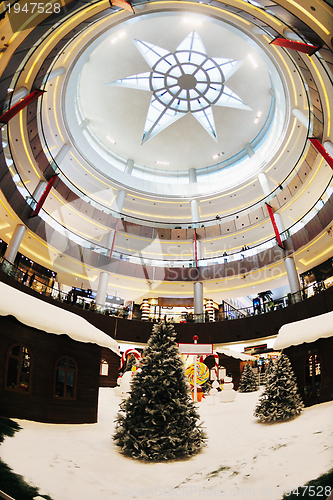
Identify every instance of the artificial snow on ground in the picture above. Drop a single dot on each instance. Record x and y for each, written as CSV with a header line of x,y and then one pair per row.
x,y
243,458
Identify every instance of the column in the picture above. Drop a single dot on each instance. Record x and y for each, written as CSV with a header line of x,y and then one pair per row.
x,y
104,275
329,147
292,275
18,94
84,124
192,173
19,231
198,298
15,243
195,211
129,166
55,73
59,157
305,120
250,151
102,288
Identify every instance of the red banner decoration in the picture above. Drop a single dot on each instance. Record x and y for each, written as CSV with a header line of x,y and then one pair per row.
x,y
44,195
299,46
276,231
20,105
320,148
195,249
123,4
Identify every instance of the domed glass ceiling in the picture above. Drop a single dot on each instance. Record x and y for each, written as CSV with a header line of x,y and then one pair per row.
x,y
171,92
186,81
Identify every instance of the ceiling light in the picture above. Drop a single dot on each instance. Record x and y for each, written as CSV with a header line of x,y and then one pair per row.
x,y
192,21
253,61
118,36
161,162
111,140
217,155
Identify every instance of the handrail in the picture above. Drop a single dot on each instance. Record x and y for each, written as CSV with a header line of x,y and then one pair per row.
x,y
265,307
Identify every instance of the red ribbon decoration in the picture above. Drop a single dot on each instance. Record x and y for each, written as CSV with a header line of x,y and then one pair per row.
x,y
299,46
276,231
320,148
20,105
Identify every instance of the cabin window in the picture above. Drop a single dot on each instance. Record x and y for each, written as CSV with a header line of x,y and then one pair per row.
x,y
65,378
18,369
104,369
312,379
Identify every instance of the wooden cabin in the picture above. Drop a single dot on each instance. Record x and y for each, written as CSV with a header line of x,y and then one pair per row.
x,y
309,346
50,361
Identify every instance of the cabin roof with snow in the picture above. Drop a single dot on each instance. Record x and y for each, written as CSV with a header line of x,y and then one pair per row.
x,y
307,330
49,318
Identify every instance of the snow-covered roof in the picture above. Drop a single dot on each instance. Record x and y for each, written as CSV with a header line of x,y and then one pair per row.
x,y
235,354
49,318
305,330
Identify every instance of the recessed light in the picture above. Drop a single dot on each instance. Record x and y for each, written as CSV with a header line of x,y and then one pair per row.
x,y
158,162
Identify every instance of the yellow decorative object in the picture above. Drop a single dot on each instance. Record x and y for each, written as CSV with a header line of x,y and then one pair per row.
x,y
202,373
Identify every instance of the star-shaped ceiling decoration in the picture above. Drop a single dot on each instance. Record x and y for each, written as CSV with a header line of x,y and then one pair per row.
x,y
186,81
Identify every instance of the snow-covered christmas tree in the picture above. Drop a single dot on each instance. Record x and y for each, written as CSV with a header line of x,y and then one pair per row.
x,y
269,370
280,399
249,380
158,421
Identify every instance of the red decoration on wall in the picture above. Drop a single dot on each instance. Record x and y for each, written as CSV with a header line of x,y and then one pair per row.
x,y
123,4
276,231
299,46
44,195
320,148
20,105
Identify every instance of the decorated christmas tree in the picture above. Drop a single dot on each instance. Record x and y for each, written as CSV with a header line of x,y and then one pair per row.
x,y
158,421
269,370
249,380
280,399
130,363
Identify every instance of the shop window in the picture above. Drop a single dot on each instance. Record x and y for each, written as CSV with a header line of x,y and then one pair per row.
x,y
65,378
104,369
312,379
18,369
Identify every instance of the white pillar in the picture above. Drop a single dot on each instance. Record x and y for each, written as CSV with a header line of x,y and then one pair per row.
x,y
291,35
292,274
18,94
104,276
264,184
250,151
39,190
119,201
129,166
305,120
102,288
329,147
19,231
198,297
15,243
198,249
59,157
195,211
84,124
289,261
192,173
55,73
